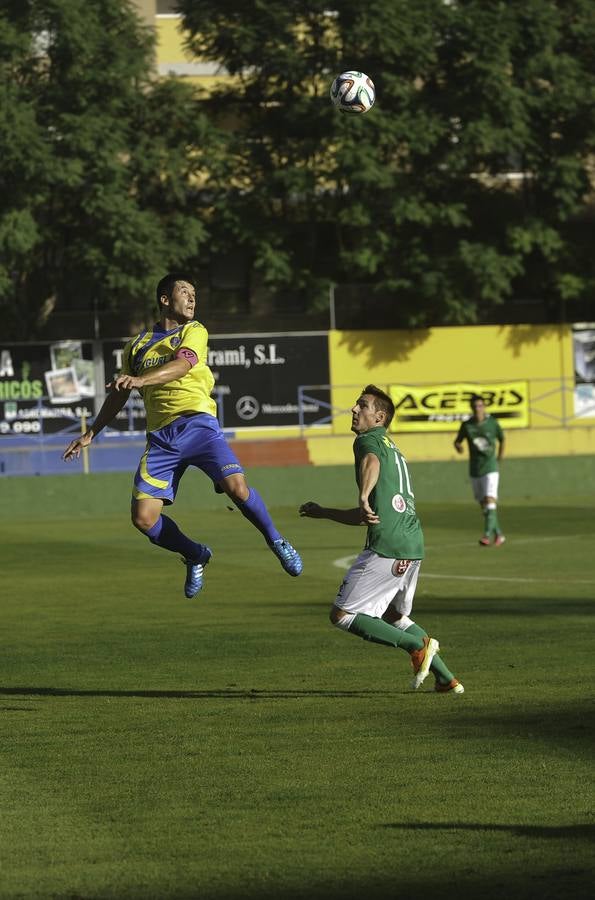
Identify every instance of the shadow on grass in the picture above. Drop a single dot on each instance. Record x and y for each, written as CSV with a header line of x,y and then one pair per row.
x,y
430,604
575,832
16,709
217,693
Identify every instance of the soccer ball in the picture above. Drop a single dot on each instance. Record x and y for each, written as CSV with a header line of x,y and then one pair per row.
x,y
353,92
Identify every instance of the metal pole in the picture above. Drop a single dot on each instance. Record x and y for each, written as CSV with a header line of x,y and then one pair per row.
x,y
98,362
85,453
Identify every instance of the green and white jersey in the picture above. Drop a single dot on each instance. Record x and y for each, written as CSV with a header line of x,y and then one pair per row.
x,y
399,534
481,438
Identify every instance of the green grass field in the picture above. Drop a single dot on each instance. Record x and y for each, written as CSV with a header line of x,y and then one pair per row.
x,y
239,746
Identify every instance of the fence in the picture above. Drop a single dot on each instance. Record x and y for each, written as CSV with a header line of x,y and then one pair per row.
x,y
533,403
539,404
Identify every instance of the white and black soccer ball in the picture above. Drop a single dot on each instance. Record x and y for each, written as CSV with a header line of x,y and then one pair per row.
x,y
353,92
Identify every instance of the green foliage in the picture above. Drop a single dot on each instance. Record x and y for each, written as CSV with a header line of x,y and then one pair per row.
x,y
415,197
94,182
109,175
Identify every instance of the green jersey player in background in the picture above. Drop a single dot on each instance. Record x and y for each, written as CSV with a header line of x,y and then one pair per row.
x,y
375,599
483,433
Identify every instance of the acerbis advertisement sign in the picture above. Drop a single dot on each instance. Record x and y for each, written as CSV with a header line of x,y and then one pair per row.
x,y
441,407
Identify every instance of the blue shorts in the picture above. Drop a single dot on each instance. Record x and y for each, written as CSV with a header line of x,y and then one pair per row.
x,y
194,440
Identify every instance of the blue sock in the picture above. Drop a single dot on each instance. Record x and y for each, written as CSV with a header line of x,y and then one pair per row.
x,y
257,513
165,533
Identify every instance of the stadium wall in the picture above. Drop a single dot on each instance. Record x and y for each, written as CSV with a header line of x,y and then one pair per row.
x,y
540,360
541,356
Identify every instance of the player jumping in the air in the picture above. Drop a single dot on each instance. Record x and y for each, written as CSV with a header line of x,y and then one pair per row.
x,y
482,432
167,364
376,597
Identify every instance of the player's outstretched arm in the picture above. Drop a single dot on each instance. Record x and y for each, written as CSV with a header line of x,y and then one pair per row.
x,y
112,405
313,510
171,371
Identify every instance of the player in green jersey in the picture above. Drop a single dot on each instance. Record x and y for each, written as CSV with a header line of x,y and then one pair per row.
x,y
375,599
483,435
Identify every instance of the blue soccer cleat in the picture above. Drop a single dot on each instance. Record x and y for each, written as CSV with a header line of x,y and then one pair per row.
x,y
195,570
287,556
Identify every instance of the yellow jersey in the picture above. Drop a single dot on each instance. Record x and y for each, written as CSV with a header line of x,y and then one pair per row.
x,y
191,393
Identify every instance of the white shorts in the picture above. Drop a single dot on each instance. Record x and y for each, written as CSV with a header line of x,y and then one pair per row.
x,y
485,486
374,583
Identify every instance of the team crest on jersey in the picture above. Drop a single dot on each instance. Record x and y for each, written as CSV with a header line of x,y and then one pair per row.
x,y
399,504
175,340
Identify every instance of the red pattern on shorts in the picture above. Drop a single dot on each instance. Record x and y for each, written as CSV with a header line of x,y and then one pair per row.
x,y
400,566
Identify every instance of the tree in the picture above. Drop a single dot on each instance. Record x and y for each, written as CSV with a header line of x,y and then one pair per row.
x,y
466,185
96,201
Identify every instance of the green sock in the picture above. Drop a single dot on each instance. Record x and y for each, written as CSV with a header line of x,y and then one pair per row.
x,y
416,630
489,515
380,632
495,522
440,671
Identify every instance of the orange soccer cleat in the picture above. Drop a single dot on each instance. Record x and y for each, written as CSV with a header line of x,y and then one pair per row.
x,y
453,687
421,660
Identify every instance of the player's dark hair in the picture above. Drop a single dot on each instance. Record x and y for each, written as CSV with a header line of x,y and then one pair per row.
x,y
382,402
167,284
474,398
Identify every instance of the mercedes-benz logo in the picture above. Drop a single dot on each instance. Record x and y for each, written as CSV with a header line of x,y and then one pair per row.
x,y
247,407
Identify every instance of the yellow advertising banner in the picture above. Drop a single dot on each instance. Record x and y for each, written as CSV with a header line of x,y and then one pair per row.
x,y
442,407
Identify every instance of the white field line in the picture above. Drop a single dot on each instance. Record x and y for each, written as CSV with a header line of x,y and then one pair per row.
x,y
512,580
346,561
531,540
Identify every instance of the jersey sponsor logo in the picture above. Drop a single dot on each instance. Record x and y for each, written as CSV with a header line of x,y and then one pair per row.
x,y
398,503
440,407
481,443
154,361
230,466
400,566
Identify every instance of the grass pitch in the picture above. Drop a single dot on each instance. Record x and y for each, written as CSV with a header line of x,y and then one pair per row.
x,y
238,746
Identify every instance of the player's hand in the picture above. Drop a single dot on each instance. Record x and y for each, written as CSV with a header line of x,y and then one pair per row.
x,y
311,510
73,451
368,515
125,383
